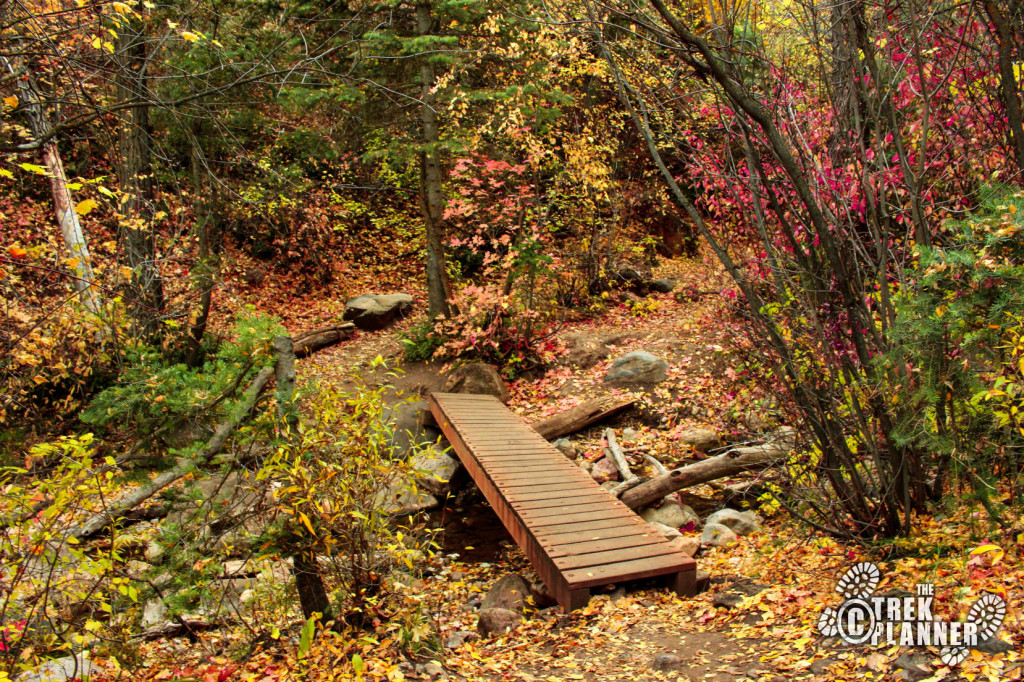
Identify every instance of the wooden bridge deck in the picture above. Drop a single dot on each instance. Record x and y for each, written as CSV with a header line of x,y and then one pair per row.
x,y
576,533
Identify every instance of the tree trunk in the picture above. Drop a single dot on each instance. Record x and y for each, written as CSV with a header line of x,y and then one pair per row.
x,y
308,581
67,218
728,464
578,418
212,448
146,296
207,231
310,585
431,181
1005,35
311,342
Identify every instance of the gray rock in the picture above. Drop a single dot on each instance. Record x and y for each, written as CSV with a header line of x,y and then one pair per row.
x,y
604,470
478,378
821,665
406,424
542,597
155,552
370,312
566,447
510,592
584,353
59,670
672,514
913,666
717,535
399,499
663,286
667,662
741,523
153,613
667,532
727,600
638,367
435,468
994,646
701,440
497,621
457,639
628,435
686,545
434,669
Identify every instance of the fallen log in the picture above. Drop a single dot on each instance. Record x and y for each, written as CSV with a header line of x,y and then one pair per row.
x,y
615,453
579,417
728,464
310,342
213,446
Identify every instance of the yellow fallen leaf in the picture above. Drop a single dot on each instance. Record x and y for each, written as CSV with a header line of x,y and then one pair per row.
x,y
11,101
996,551
190,37
85,207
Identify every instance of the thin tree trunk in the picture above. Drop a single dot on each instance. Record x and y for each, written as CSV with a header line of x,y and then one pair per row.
x,y
1005,34
208,232
309,582
136,179
63,204
431,180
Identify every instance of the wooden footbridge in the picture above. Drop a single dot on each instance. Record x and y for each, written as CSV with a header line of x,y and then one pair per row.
x,y
576,533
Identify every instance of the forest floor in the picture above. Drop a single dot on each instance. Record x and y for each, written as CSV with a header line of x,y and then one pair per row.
x,y
757,621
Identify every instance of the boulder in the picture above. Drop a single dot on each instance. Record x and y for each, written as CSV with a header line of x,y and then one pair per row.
x,y
583,353
407,423
685,545
510,592
154,613
566,447
604,470
497,621
628,436
371,312
701,440
477,377
638,367
741,523
60,670
435,469
399,499
717,535
671,514
667,662
667,532
155,552
663,286
460,637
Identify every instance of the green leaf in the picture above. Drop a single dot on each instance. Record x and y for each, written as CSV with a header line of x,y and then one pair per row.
x,y
306,641
357,664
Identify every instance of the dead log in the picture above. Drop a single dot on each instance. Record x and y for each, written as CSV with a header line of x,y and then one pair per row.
x,y
579,417
615,453
728,464
310,342
213,446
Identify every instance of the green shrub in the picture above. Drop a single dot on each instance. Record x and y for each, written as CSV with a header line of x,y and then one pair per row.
x,y
152,393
